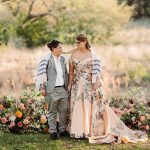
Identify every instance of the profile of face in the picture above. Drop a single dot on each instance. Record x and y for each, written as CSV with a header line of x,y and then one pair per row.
x,y
82,41
80,44
58,50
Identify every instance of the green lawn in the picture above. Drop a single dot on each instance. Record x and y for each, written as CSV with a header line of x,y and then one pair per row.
x,y
42,142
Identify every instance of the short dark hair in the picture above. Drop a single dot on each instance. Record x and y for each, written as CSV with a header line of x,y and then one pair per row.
x,y
53,44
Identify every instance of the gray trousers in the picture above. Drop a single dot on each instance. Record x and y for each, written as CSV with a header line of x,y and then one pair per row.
x,y
57,104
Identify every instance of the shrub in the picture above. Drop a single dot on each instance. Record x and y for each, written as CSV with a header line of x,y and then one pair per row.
x,y
35,34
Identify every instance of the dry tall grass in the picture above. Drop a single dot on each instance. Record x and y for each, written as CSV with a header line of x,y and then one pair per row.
x,y
18,67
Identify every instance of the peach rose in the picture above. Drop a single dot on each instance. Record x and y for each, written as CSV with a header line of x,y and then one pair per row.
x,y
27,117
21,106
25,121
132,110
142,118
124,139
147,127
30,101
43,119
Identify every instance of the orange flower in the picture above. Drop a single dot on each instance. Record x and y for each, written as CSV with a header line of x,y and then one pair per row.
x,y
18,114
2,107
124,139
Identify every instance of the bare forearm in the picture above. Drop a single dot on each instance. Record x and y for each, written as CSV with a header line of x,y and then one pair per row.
x,y
70,79
68,52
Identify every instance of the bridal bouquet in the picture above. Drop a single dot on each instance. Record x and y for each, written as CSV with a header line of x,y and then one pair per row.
x,y
26,114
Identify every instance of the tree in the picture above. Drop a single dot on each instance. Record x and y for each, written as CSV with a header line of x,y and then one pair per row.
x,y
141,7
38,21
30,24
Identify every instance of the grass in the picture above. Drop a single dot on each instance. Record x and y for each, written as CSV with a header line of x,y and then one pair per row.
x,y
42,142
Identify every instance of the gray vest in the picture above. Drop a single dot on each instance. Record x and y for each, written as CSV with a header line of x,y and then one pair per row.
x,y
52,73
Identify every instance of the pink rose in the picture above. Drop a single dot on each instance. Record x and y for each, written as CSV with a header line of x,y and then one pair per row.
x,y
147,127
21,106
4,120
139,124
8,115
30,101
27,117
12,124
126,110
20,124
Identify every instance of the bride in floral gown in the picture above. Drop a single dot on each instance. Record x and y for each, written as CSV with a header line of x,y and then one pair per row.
x,y
90,117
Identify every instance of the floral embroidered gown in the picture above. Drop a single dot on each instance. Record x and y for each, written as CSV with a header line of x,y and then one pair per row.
x,y
89,116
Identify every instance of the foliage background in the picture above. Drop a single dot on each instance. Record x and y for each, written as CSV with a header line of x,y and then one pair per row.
x,y
34,22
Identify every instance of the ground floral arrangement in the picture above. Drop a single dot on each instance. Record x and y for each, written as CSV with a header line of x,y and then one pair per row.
x,y
28,113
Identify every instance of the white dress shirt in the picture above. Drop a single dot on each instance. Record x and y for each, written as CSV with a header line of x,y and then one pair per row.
x,y
59,77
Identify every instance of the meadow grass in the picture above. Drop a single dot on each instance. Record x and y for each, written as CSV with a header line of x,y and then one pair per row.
x,y
42,142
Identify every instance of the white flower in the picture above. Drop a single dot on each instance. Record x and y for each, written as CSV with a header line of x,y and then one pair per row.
x,y
148,116
37,126
12,118
133,118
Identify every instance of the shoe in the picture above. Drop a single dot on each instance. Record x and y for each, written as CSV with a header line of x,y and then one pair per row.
x,y
64,134
54,136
